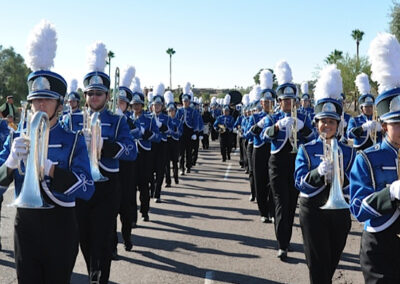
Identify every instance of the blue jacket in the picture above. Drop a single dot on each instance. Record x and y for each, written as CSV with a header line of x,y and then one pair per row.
x,y
175,128
279,138
72,177
355,131
216,112
226,120
115,131
373,171
189,116
73,121
258,141
4,132
307,179
147,123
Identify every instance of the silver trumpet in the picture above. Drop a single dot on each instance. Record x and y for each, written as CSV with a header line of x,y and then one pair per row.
x,y
30,196
293,129
92,131
336,199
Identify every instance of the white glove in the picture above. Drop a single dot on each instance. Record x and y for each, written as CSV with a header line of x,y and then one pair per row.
x,y
325,168
47,167
285,122
344,123
19,151
300,124
158,122
194,137
395,190
201,137
261,123
367,125
142,130
377,126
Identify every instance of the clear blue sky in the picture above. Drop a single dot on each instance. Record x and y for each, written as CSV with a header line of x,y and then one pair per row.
x,y
218,43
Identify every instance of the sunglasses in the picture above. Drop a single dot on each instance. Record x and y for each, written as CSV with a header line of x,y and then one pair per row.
x,y
97,94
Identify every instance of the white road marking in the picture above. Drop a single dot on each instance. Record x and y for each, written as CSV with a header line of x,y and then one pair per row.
x,y
227,171
209,278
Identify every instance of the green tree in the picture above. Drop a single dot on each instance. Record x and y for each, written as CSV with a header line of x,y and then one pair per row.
x,y
394,23
357,35
13,74
334,57
110,56
170,52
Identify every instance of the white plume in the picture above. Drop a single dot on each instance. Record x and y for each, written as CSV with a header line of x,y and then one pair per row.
x,y
304,88
149,96
283,72
362,83
227,99
213,100
96,57
136,85
160,89
256,92
219,101
196,99
186,90
329,84
128,75
245,100
42,46
73,86
266,79
384,56
200,100
168,97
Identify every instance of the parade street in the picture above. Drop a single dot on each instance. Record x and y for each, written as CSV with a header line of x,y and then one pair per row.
x,y
204,231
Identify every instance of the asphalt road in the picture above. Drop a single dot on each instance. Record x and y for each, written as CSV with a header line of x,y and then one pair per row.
x,y
204,231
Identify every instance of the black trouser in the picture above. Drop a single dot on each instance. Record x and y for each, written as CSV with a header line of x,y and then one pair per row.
x,y
206,141
195,150
324,237
45,244
250,164
1,202
185,148
264,197
380,255
160,155
225,145
245,143
172,156
241,149
234,140
127,200
214,134
143,169
96,219
281,170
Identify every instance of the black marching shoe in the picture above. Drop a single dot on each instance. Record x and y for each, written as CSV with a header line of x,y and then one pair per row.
x,y
114,255
176,180
252,198
282,254
182,173
128,246
168,185
145,218
188,170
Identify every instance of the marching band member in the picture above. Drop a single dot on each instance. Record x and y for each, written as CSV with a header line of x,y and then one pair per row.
x,y
262,149
159,149
199,130
126,206
190,123
306,101
282,128
245,121
74,119
224,125
324,230
207,120
215,112
344,120
175,131
46,241
374,177
143,165
97,217
362,127
4,132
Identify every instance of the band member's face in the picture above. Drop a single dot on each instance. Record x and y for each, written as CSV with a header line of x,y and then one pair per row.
x,y
226,111
48,106
266,105
96,99
171,112
305,103
123,105
393,133
186,103
137,108
328,126
285,105
73,104
367,110
157,107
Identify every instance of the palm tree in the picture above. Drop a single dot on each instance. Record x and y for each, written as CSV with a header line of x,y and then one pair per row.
x,y
357,36
110,56
334,57
171,52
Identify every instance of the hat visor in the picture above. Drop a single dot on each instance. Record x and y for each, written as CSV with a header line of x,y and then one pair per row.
x,y
326,114
390,117
43,94
96,87
287,96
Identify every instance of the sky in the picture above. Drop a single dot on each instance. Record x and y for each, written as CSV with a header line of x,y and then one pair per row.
x,y
218,43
